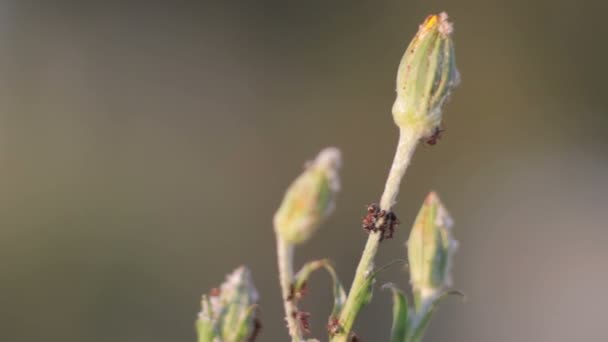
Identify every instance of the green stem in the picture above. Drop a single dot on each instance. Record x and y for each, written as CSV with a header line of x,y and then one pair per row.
x,y
285,258
360,290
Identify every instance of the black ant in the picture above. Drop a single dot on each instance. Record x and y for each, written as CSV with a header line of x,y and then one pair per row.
x,y
257,327
387,224
435,137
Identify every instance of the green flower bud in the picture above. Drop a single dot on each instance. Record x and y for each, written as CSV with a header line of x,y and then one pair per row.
x,y
228,312
309,199
430,248
426,76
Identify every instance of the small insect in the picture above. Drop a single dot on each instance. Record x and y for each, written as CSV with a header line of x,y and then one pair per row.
x,y
302,317
369,221
390,222
257,327
333,325
299,294
215,292
380,220
354,338
435,137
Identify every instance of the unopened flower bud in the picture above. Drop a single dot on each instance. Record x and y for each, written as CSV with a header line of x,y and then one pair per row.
x,y
310,198
228,312
427,74
430,248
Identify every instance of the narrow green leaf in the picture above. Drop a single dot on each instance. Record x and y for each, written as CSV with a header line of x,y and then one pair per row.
x,y
302,277
400,314
387,266
425,316
417,300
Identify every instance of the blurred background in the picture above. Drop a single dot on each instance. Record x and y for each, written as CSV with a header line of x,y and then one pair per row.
x,y
144,150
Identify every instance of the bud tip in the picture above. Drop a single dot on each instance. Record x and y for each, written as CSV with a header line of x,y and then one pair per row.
x,y
445,27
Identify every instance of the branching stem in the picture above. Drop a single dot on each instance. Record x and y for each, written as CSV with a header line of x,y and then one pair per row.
x,y
359,291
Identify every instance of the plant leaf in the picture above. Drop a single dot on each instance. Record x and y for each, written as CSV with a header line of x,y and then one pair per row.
x,y
400,314
425,317
302,277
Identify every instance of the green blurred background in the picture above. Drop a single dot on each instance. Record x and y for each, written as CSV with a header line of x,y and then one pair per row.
x,y
144,150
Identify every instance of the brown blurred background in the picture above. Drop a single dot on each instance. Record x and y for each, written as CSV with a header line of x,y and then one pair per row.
x,y
144,150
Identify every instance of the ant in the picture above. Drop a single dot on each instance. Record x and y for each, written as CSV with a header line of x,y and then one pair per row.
x,y
297,295
388,221
333,325
369,221
257,327
303,318
435,136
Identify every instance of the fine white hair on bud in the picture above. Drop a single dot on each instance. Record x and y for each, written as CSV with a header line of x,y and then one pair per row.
x,y
445,27
228,312
426,76
430,247
310,198
330,159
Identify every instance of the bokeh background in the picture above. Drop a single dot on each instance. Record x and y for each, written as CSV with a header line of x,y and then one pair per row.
x,y
144,150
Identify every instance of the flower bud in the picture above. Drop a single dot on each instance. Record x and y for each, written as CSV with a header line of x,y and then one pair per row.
x,y
426,76
310,198
430,248
228,313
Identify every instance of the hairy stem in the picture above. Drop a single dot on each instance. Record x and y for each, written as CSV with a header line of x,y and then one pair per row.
x,y
408,140
360,288
285,258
